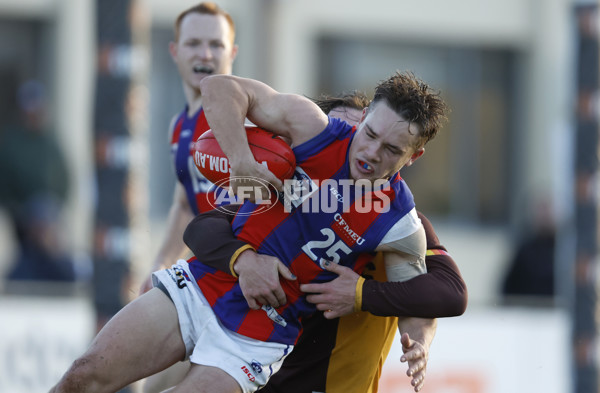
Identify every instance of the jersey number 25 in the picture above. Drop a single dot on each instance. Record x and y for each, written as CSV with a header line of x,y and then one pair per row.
x,y
333,248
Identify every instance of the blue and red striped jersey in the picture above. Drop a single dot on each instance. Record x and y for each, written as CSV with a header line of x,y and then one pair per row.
x,y
186,131
335,221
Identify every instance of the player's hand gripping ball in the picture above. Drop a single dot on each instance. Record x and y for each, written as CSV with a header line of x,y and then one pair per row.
x,y
267,148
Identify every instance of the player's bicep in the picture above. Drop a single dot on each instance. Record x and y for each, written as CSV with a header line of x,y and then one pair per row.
x,y
288,115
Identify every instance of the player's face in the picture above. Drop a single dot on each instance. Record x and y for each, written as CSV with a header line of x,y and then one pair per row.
x,y
382,145
349,115
204,48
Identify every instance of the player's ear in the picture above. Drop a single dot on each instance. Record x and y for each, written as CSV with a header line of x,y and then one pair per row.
x,y
418,153
234,52
173,49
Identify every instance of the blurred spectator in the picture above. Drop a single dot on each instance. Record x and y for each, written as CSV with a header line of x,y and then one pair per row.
x,y
33,189
42,255
531,270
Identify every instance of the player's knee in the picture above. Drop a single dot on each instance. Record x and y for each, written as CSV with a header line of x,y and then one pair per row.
x,y
80,377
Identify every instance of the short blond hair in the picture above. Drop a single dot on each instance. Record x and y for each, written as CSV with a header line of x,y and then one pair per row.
x,y
205,8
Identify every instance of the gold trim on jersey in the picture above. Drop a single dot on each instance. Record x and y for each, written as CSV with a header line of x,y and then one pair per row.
x,y
358,294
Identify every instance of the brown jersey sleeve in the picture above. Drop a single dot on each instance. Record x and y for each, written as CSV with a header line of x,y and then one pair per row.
x,y
441,292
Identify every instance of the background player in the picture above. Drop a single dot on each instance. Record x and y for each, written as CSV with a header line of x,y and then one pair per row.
x,y
204,44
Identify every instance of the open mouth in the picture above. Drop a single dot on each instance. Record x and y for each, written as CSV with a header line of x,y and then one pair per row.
x,y
366,168
199,69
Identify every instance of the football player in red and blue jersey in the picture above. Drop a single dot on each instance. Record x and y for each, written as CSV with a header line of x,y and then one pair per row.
x,y
201,313
340,355
204,44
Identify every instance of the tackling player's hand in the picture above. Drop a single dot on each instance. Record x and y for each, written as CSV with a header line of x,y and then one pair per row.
x,y
335,298
259,279
416,355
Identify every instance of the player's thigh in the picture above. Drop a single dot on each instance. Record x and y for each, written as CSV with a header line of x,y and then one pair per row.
x,y
140,340
206,379
167,378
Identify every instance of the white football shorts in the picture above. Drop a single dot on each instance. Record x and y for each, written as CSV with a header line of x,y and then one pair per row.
x,y
250,362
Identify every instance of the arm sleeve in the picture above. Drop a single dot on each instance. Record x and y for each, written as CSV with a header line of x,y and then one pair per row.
x,y
441,292
211,239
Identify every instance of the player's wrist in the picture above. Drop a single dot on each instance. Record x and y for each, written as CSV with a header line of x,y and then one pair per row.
x,y
242,159
358,291
236,264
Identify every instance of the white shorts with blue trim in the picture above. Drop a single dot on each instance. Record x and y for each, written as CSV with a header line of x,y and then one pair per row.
x,y
207,342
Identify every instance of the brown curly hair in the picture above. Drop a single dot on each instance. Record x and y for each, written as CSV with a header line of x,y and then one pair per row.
x,y
354,99
415,101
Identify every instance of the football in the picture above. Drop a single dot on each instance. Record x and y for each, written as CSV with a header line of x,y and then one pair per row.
x,y
268,149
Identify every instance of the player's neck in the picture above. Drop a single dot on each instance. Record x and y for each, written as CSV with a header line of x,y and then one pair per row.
x,y
194,106
193,98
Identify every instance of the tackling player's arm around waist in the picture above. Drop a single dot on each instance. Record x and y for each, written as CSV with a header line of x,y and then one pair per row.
x,y
439,293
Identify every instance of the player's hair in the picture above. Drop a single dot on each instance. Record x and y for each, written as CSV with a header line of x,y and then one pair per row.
x,y
415,101
205,8
354,99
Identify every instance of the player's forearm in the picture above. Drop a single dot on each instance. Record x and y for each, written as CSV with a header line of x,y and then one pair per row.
x,y
225,103
440,293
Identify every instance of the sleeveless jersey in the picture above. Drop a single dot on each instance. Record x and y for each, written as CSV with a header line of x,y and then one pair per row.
x,y
330,223
198,189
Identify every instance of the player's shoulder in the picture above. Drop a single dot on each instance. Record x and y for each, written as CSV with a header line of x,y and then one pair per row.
x,y
408,225
175,120
335,131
